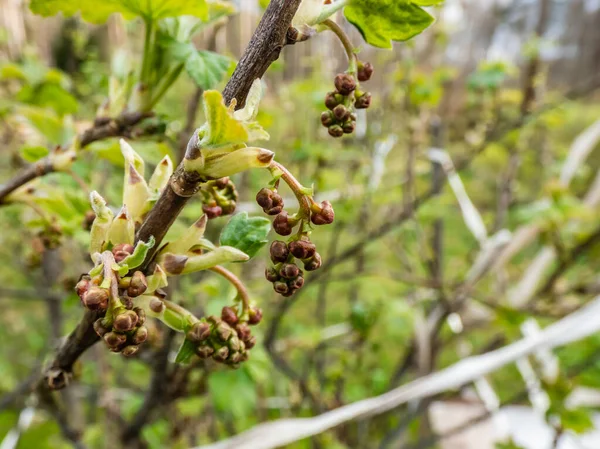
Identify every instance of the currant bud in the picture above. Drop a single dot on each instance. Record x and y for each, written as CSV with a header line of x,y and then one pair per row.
x,y
332,99
302,249
289,271
254,316
327,119
314,263
365,71
340,112
141,313
297,283
345,83
229,208
156,305
223,331
221,354
100,328
271,274
114,340
277,206
221,183
251,342
325,216
199,332
349,127
281,287
204,351
83,286
212,211
140,335
281,224
125,321
229,316
336,131
243,331
279,251
363,102
130,350
264,198
138,284
96,298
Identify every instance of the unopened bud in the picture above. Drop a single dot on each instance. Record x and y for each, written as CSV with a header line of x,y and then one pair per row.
x,y
141,313
314,263
221,354
125,321
276,205
199,332
250,343
130,350
125,247
229,208
302,249
221,183
289,271
271,274
281,224
327,119
345,83
264,198
229,316
234,358
204,351
279,251
156,305
297,283
340,112
138,284
363,102
140,335
335,131
114,340
325,216
243,331
254,316
280,287
100,328
234,343
212,211
223,331
349,127
365,71
96,298
83,286
333,99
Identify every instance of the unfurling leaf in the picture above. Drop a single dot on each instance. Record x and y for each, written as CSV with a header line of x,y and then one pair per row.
x,y
122,228
248,234
101,225
186,351
190,238
139,254
161,175
228,164
176,264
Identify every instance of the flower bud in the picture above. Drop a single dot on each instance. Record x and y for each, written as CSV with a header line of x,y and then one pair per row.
x,y
83,286
125,321
279,251
229,316
297,283
156,305
223,331
327,119
365,71
125,247
251,342
140,335
234,358
345,83
228,208
302,249
332,99
289,271
96,298
221,354
363,102
138,284
114,340
243,331
130,350
141,313
281,287
234,343
100,328
204,351
281,224
340,112
349,127
254,316
271,274
277,205
325,216
212,211
221,183
264,198
314,263
199,332
336,131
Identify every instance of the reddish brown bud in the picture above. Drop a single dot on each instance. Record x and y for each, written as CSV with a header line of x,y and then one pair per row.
x,y
96,298
327,119
280,287
83,286
100,328
302,249
251,342
332,99
138,284
121,251
314,263
277,205
345,83
130,350
141,313
335,131
212,211
289,271
340,112
297,283
281,224
271,274
221,183
223,331
156,305
349,127
243,331
125,321
199,332
204,351
114,340
325,216
363,102
279,251
140,335
264,198
365,71
229,316
221,354
254,316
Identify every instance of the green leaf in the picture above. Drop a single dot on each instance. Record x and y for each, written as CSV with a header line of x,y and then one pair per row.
x,y
246,234
99,11
33,154
221,127
206,68
186,351
139,254
383,21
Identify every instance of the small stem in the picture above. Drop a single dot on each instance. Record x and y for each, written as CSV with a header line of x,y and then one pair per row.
x,y
237,283
180,310
304,200
146,63
164,86
108,260
345,40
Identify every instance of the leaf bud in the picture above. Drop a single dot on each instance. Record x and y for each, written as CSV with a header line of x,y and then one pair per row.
x,y
345,83
302,249
138,284
279,251
199,332
229,316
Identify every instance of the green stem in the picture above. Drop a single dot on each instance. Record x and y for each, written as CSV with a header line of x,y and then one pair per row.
x,y
146,61
329,10
165,85
237,283
345,40
305,201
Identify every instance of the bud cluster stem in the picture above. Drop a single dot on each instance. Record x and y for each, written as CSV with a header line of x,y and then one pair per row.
x,y
345,40
304,200
238,284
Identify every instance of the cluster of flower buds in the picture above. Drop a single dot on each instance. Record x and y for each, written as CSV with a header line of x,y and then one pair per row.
x,y
285,275
340,119
226,339
123,328
219,197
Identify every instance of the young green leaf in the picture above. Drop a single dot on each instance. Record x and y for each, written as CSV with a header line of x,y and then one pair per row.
x,y
139,254
384,21
33,153
221,127
186,351
248,234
